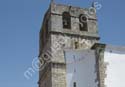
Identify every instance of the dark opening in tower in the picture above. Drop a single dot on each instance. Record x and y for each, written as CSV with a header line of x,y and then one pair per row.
x,y
66,18
83,23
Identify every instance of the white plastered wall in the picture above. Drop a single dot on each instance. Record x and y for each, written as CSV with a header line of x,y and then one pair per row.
x,y
115,58
81,68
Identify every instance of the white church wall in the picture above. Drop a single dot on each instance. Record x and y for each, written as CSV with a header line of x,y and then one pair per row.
x,y
81,68
115,57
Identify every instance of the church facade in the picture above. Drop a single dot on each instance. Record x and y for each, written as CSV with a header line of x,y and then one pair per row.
x,y
70,51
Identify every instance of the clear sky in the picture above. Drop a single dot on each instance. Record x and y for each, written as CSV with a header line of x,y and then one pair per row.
x,y
20,22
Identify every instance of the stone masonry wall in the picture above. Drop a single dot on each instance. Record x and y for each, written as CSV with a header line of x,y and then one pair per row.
x,y
61,42
60,39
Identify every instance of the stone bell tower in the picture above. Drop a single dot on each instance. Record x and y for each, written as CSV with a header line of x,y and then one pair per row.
x,y
64,27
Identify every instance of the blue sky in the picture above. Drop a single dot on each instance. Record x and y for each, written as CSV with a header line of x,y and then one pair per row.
x,y
20,22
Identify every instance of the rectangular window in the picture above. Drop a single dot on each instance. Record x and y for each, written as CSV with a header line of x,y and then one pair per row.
x,y
83,22
76,45
83,26
66,20
74,84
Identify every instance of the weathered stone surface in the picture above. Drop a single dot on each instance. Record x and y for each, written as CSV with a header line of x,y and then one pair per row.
x,y
100,64
54,40
58,75
56,19
62,42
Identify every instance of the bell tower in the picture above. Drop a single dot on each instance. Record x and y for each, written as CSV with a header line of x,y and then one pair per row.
x,y
64,27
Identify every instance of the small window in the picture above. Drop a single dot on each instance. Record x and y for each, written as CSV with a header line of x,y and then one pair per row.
x,y
83,23
66,20
76,45
74,84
